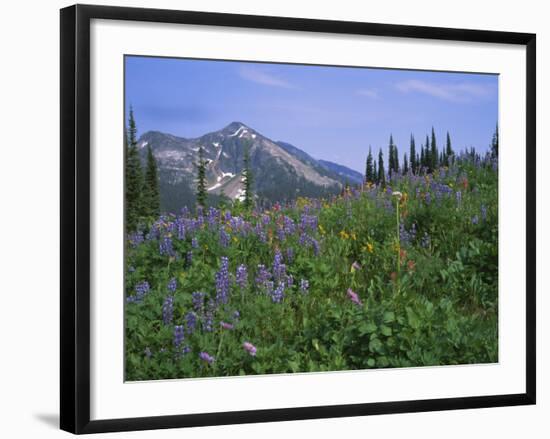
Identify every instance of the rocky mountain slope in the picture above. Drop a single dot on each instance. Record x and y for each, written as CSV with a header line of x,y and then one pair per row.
x,y
281,171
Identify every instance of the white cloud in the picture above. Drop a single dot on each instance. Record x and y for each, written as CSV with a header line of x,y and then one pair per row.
x,y
460,92
368,92
262,77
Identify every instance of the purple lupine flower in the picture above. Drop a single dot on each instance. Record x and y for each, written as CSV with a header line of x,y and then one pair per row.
x,y
198,301
289,281
208,320
141,289
241,276
180,227
475,220
213,214
290,255
428,198
189,257
172,285
484,212
279,269
168,310
315,244
195,243
136,238
278,294
224,238
226,325
304,285
165,246
458,197
263,276
354,297
191,322
179,336
205,356
250,348
222,282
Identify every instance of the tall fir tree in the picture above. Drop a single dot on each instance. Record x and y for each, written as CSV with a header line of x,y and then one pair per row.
x,y
248,179
405,165
412,155
396,159
434,153
391,157
374,172
369,171
151,192
381,170
494,144
134,177
449,153
427,154
201,194
422,161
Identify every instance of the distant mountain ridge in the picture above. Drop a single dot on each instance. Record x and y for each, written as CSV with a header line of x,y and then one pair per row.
x,y
282,172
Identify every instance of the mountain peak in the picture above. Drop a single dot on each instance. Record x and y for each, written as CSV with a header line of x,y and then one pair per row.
x,y
234,126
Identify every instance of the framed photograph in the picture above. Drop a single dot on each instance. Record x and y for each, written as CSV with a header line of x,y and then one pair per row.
x,y
268,218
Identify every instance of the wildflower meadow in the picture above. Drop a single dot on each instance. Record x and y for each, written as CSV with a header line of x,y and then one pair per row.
x,y
400,273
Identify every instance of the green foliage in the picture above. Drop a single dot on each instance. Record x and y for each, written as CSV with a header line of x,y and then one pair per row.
x,y
151,192
201,194
444,312
133,177
369,169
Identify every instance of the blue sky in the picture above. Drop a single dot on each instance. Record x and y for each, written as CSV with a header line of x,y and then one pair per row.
x,y
333,113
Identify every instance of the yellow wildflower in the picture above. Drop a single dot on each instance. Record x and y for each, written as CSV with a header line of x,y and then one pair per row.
x,y
370,247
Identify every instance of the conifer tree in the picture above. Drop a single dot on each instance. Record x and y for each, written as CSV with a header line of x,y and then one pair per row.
x,y
134,177
494,144
427,154
374,172
412,155
248,179
201,194
396,159
405,165
151,192
434,152
381,170
422,158
448,151
391,156
369,171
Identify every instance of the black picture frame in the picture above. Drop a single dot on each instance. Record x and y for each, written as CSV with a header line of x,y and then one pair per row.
x,y
75,217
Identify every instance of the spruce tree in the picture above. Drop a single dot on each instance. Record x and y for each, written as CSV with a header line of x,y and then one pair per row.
x,y
374,172
381,171
434,152
369,171
201,194
134,177
448,151
412,155
391,156
248,179
396,159
427,154
422,158
405,165
151,192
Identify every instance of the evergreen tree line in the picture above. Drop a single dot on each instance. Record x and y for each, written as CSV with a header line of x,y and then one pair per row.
x,y
422,162
142,185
